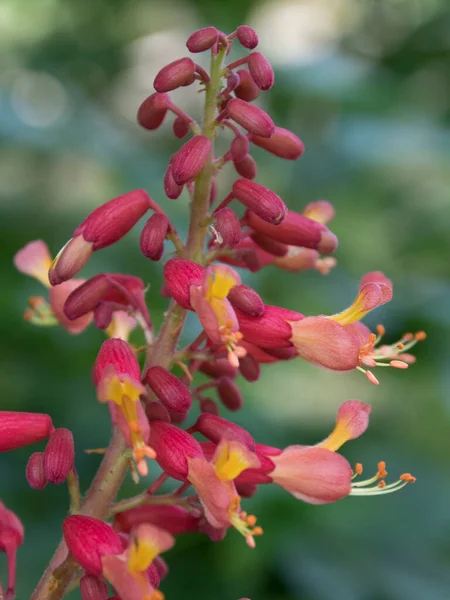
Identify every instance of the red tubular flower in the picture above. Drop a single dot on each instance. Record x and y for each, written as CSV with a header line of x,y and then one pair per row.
x,y
179,275
173,447
239,148
170,390
277,249
229,393
173,519
215,428
246,89
228,228
246,300
172,189
59,456
271,329
246,167
247,36
92,588
202,39
88,540
153,236
217,368
250,117
174,75
265,206
153,110
11,537
282,143
106,225
35,473
261,71
19,429
190,159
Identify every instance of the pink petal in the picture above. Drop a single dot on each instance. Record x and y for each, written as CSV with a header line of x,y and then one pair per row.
x,y
58,296
34,259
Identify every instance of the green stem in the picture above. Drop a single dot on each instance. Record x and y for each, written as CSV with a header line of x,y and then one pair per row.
x,y
74,492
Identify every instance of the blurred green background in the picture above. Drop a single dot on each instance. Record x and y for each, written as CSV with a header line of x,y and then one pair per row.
x,y
366,85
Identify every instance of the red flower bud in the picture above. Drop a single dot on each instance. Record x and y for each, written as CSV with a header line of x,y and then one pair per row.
x,y
153,236
239,148
11,537
190,159
59,456
152,111
269,245
246,167
92,588
260,70
87,296
35,471
250,117
247,36
207,405
228,227
246,299
215,428
173,446
170,390
157,412
172,189
202,40
246,89
282,143
19,429
89,540
106,225
103,315
270,330
229,393
263,202
179,275
249,368
174,75
117,353
181,127
173,519
218,368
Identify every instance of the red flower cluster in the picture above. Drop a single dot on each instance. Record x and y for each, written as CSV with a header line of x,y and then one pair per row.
x,y
148,404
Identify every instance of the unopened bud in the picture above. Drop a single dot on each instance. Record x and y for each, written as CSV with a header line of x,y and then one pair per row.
x,y
239,148
35,471
207,405
250,117
172,189
215,428
92,588
59,456
190,159
228,227
246,299
269,245
87,296
202,40
232,82
173,519
152,111
173,446
103,315
169,389
249,368
19,429
118,354
246,89
218,368
155,411
246,167
180,128
247,36
269,207
174,75
153,236
229,394
261,71
282,143
179,275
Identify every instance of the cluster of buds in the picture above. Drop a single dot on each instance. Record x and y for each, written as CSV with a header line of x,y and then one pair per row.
x,y
160,413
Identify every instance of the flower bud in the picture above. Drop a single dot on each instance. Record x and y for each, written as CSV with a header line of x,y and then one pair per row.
x,y
250,117
103,315
59,456
214,428
246,167
19,429
249,368
229,394
92,588
202,40
152,111
218,368
118,354
170,390
173,519
173,446
247,36
246,299
269,245
88,540
260,70
157,412
179,275
35,471
264,203
172,189
282,143
174,75
180,128
207,405
228,227
271,329
106,225
86,297
190,159
153,236
11,537
246,89
239,148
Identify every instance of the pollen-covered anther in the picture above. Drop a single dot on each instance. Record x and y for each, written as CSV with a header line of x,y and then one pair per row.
x,y
377,485
380,330
358,469
420,336
245,524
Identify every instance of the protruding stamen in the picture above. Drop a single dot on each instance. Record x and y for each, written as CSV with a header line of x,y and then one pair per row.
x,y
367,487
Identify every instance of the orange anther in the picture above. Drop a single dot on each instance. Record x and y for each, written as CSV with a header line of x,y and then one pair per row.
x,y
400,346
381,484
407,477
251,520
358,468
420,336
372,338
381,470
257,531
380,330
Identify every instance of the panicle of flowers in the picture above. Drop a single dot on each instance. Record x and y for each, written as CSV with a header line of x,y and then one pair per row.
x,y
167,406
